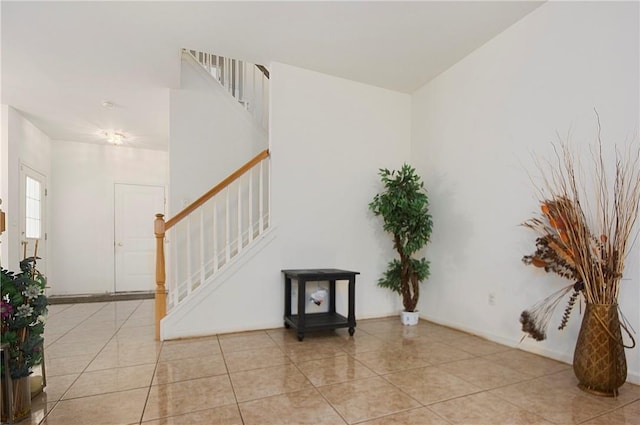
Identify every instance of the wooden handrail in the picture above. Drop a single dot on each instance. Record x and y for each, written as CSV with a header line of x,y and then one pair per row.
x,y
216,189
264,70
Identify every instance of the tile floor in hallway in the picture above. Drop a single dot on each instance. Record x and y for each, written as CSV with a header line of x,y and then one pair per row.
x,y
104,367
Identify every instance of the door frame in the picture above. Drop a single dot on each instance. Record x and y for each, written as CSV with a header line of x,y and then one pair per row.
x,y
115,229
25,170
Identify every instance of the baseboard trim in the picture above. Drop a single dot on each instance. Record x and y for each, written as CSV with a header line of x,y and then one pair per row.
x,y
99,298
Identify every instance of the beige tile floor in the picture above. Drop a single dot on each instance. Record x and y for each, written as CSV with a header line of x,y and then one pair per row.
x,y
104,367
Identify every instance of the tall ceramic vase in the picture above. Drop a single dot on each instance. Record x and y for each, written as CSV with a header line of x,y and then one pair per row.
x,y
18,406
599,361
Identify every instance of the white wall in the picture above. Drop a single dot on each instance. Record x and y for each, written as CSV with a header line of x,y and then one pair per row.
x,y
22,143
82,211
4,181
328,138
211,135
474,130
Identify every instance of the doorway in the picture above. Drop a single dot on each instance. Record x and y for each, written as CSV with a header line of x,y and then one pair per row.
x,y
33,230
135,208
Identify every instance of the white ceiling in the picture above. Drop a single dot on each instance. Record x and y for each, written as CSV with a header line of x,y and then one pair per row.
x,y
60,60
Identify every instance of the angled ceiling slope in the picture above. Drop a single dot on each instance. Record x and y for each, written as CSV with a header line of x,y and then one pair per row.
x,y
61,60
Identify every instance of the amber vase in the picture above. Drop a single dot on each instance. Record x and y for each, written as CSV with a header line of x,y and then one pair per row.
x,y
599,361
18,406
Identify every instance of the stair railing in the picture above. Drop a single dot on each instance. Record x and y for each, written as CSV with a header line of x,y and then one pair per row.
x,y
247,82
206,235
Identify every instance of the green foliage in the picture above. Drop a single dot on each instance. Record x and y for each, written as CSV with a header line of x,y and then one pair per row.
x,y
23,310
404,208
391,279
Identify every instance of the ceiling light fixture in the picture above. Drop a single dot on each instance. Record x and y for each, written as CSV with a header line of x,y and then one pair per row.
x,y
107,104
114,137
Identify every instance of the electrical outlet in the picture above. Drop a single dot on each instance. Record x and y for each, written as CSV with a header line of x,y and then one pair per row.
x,y
492,298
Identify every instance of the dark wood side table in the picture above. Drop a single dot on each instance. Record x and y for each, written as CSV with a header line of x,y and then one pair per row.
x,y
318,321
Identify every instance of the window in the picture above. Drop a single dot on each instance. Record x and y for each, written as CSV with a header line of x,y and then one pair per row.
x,y
33,222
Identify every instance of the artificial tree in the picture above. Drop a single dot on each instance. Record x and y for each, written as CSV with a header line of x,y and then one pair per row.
x,y
404,208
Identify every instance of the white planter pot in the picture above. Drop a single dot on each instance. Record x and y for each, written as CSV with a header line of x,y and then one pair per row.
x,y
409,318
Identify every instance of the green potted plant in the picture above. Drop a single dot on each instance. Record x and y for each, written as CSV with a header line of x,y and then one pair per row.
x,y
23,307
404,208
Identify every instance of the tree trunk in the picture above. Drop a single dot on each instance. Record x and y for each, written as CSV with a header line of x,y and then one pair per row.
x,y
408,281
415,285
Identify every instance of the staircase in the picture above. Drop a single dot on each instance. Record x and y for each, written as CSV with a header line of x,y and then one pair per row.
x,y
205,239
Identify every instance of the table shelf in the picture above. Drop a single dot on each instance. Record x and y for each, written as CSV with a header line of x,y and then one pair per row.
x,y
319,321
303,321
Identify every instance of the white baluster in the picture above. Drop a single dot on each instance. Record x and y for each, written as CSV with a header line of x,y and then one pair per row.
x,y
261,201
238,90
257,101
234,90
180,265
189,259
229,74
227,230
236,85
243,78
246,85
202,256
173,284
227,78
254,98
265,102
223,68
240,71
215,235
214,66
263,96
239,215
250,224
268,192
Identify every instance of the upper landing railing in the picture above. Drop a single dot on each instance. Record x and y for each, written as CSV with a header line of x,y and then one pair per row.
x,y
247,82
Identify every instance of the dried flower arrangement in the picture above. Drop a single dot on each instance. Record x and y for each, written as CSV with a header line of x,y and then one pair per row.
x,y
585,242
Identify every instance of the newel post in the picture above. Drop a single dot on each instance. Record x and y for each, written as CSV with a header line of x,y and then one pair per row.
x,y
161,293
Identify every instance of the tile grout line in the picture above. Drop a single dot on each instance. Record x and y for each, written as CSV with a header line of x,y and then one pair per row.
x,y
94,357
422,405
55,404
607,412
233,388
315,388
382,376
392,345
155,367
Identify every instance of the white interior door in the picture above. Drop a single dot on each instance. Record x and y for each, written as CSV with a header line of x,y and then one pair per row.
x,y
33,230
135,208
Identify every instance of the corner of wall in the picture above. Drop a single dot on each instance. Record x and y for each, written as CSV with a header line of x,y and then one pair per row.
x,y
4,180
